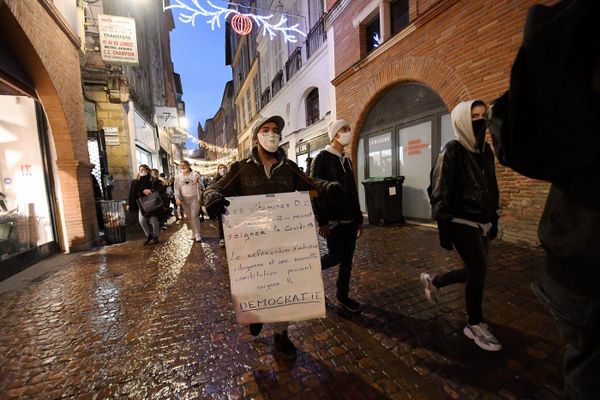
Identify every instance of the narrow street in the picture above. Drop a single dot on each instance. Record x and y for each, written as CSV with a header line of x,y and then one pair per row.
x,y
156,321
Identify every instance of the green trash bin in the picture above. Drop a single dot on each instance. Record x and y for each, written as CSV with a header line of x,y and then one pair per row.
x,y
113,215
384,200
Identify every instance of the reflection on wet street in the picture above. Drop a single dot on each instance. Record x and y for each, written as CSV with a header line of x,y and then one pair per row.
x,y
156,321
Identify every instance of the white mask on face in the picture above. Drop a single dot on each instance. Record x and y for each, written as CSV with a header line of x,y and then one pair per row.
x,y
269,141
222,171
143,173
345,138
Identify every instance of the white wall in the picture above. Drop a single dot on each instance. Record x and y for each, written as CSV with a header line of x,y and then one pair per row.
x,y
314,73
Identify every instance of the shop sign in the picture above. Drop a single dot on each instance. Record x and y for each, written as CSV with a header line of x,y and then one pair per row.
x,y
166,117
111,131
416,147
112,140
176,138
118,41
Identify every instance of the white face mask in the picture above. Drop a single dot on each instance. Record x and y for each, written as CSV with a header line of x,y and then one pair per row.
x,y
222,171
345,138
269,141
143,173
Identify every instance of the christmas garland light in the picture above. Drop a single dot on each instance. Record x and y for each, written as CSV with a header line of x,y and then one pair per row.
x,y
290,33
229,153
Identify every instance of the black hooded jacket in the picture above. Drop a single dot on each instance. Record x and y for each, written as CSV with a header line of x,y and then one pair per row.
x,y
463,179
332,167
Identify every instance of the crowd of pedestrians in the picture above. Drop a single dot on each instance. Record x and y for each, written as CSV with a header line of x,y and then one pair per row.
x,y
559,147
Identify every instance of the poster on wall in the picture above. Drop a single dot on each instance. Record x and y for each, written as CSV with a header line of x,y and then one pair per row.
x,y
274,259
118,41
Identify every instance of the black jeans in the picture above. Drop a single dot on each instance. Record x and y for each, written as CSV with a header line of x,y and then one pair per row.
x,y
341,244
473,249
577,319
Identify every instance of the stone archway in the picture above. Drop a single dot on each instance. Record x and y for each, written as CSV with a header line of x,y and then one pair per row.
x,y
435,74
50,57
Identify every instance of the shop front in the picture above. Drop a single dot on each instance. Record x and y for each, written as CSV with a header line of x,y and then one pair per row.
x,y
307,150
402,134
28,229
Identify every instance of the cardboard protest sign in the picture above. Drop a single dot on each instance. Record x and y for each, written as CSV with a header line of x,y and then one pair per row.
x,y
273,257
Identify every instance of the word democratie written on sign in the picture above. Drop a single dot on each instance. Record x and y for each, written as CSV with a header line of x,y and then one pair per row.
x,y
274,260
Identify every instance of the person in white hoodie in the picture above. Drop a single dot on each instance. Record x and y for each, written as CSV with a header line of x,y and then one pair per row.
x,y
187,195
465,200
340,219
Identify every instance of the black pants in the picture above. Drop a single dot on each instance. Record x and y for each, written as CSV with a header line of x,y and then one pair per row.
x,y
341,244
473,249
578,321
220,223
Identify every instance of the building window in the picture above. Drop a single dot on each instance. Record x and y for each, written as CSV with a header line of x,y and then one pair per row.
x,y
249,103
312,107
243,113
398,15
256,94
373,33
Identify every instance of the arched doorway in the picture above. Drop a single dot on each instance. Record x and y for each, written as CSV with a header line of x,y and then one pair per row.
x,y
402,133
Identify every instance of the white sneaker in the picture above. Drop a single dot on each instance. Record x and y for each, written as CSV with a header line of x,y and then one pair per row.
x,y
482,336
198,239
222,243
431,292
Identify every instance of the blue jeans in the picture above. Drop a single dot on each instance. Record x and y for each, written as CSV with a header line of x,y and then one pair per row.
x,y
577,319
143,220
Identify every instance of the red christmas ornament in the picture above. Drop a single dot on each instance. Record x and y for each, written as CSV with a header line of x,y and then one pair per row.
x,y
241,24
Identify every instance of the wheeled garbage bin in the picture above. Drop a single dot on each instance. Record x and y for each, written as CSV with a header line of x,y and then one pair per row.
x,y
113,215
384,200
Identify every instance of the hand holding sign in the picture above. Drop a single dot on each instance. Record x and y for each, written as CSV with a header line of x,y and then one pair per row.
x,y
274,260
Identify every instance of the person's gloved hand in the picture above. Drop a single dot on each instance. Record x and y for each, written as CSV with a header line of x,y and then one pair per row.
x,y
334,189
493,234
217,208
445,232
214,203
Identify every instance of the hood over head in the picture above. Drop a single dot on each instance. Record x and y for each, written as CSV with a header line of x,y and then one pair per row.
x,y
462,125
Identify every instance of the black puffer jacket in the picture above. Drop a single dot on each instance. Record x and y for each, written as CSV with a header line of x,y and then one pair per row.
x,y
332,167
463,184
248,177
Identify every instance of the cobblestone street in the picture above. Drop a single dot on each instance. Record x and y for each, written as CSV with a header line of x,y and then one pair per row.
x,y
134,321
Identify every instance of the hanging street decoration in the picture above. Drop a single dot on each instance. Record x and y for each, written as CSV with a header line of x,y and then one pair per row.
x,y
241,23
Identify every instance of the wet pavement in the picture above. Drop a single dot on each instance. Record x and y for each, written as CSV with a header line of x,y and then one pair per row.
x,y
156,322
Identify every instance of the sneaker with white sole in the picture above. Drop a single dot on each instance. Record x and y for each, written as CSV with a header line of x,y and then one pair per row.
x,y
482,336
198,239
431,292
222,243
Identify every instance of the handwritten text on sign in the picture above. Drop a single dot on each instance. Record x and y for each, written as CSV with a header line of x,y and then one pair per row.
x,y
274,260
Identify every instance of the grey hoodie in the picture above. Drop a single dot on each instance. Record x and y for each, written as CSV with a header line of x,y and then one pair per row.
x,y
463,129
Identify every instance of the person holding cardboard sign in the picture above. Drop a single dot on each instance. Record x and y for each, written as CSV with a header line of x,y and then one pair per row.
x,y
267,170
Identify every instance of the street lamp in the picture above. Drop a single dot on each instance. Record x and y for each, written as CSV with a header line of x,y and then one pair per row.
x,y
183,123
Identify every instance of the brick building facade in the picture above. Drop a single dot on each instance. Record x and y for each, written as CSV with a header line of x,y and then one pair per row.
x,y
46,48
455,49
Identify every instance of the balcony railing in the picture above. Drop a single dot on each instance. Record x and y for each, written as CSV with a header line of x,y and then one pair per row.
x,y
277,83
293,64
316,37
265,97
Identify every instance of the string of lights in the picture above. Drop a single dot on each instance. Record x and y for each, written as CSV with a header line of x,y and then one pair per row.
x,y
229,153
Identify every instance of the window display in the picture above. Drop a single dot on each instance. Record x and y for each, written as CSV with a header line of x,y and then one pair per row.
x,y
25,216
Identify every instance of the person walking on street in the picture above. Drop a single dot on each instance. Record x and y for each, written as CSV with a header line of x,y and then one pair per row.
x,y
146,185
221,171
547,127
340,220
465,199
267,170
187,195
